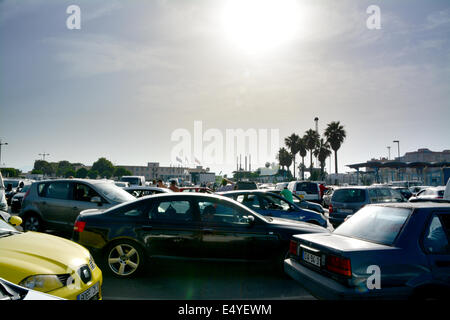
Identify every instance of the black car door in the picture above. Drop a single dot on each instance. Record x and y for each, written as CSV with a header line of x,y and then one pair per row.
x,y
172,228
436,243
228,233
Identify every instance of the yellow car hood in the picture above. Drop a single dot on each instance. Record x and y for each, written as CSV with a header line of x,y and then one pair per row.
x,y
31,253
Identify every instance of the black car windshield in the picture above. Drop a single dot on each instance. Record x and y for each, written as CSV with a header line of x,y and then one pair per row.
x,y
114,193
375,224
349,195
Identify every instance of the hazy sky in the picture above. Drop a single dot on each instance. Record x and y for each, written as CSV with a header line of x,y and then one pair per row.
x,y
138,70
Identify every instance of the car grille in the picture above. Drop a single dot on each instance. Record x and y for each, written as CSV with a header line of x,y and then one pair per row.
x,y
65,279
91,263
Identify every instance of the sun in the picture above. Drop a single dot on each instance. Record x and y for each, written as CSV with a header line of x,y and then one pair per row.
x,y
257,26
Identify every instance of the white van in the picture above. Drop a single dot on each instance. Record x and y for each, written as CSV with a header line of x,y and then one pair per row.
x,y
3,203
134,180
309,191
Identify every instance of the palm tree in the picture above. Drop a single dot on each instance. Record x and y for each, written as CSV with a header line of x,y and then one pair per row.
x,y
302,151
336,135
284,158
311,139
322,152
293,142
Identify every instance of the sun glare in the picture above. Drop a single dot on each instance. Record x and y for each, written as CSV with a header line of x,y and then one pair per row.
x,y
257,26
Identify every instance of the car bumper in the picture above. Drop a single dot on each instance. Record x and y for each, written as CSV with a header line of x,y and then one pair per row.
x,y
72,292
326,288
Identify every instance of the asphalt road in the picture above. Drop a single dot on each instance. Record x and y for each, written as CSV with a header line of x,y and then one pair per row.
x,y
205,280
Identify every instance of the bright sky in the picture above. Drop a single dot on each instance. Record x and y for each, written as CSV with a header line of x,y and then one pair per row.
x,y
138,70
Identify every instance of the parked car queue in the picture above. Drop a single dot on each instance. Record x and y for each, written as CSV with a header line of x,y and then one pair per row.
x,y
203,216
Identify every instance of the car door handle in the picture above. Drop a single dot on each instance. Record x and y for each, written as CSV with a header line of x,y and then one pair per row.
x,y
75,208
208,230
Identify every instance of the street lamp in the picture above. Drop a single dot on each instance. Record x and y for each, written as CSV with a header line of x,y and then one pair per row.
x,y
2,144
43,155
398,147
389,154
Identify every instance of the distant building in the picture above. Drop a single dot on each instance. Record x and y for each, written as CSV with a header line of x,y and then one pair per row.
x,y
200,176
422,166
153,171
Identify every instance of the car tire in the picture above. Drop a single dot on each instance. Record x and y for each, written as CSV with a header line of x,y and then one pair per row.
x,y
124,259
32,222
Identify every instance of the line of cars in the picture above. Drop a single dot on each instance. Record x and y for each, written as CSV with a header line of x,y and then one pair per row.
x,y
128,233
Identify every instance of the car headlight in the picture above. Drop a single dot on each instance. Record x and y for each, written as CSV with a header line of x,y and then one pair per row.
x,y
42,282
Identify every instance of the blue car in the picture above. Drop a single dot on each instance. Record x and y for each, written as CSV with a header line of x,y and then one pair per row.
x,y
384,251
267,203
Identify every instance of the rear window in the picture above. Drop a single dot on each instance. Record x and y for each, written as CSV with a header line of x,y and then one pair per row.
x,y
375,224
349,195
308,187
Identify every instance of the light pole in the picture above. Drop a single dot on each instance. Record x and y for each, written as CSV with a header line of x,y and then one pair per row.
x,y
398,147
389,153
43,155
2,144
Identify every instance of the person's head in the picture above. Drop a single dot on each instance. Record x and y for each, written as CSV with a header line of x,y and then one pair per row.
x,y
173,183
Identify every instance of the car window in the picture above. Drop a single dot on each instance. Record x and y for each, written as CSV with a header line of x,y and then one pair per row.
x,y
249,200
269,202
135,209
82,192
375,223
436,239
214,212
58,190
384,195
114,193
349,195
179,210
308,187
373,195
396,195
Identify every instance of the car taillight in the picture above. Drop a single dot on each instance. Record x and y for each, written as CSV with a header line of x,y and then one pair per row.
x,y
26,194
330,208
293,245
339,265
79,226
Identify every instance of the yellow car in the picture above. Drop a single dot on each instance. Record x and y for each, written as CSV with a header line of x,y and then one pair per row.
x,y
47,263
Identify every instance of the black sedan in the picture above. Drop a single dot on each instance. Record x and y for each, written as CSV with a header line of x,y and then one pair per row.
x,y
184,225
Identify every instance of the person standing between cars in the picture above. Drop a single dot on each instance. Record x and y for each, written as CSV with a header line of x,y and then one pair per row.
x,y
160,184
173,186
322,189
287,194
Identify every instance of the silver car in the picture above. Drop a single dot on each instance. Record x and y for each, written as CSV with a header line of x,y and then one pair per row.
x,y
55,204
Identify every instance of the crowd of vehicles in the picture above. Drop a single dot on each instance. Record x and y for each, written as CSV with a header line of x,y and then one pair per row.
x,y
326,237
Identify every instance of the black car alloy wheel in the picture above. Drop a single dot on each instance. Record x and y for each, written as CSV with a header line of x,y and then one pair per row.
x,y
124,258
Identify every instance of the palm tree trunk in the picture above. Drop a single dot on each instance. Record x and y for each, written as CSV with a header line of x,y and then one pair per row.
x,y
294,165
303,168
335,162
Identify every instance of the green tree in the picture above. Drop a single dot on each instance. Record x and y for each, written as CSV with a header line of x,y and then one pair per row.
x,y
322,152
92,174
81,173
104,167
303,152
335,135
293,143
11,172
120,172
284,158
311,139
62,167
45,167
69,173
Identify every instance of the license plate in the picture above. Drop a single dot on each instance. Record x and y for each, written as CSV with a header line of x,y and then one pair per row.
x,y
89,293
311,258
346,210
